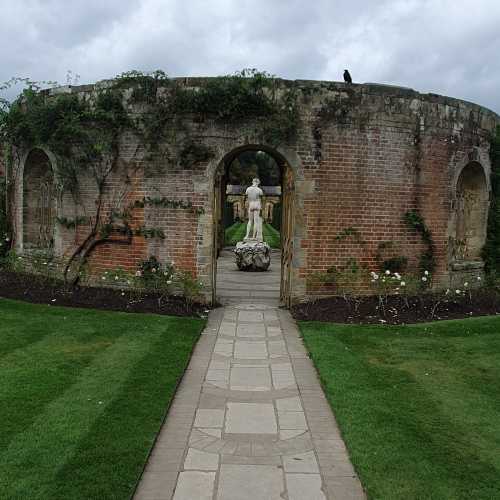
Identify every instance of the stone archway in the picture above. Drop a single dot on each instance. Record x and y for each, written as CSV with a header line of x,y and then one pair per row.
x,y
39,202
287,183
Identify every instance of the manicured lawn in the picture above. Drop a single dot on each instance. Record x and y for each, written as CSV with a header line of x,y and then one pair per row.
x,y
236,232
418,405
82,396
271,235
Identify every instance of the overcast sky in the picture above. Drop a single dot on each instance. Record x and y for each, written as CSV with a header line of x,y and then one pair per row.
x,y
442,46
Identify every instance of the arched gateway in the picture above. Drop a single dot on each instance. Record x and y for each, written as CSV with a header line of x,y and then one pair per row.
x,y
148,175
286,183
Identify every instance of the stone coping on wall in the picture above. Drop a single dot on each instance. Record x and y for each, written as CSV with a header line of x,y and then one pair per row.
x,y
467,265
383,90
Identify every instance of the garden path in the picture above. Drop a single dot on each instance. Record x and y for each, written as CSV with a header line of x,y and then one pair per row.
x,y
249,420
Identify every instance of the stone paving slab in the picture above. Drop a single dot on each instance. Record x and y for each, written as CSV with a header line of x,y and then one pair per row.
x,y
249,420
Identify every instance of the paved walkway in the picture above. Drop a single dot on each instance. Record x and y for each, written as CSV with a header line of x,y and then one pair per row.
x,y
233,289
250,420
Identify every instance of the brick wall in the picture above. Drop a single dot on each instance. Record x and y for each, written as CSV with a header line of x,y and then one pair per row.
x,y
375,153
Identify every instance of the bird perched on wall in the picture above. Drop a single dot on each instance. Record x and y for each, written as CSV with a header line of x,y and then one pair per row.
x,y
347,77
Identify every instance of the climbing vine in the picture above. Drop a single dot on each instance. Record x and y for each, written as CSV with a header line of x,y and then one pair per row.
x,y
246,95
84,130
417,222
491,251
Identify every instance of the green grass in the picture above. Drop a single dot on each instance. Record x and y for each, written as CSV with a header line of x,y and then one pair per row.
x,y
236,232
82,396
418,405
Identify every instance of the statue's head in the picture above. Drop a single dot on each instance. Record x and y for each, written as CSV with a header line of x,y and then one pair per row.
x,y
255,182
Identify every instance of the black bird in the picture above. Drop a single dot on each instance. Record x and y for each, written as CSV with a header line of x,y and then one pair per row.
x,y
347,77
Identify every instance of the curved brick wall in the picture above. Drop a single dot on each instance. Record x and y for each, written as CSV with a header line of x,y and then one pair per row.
x,y
364,156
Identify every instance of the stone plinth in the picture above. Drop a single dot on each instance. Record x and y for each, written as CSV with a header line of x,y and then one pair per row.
x,y
252,255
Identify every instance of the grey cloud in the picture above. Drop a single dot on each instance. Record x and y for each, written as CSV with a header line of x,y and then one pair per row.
x,y
447,47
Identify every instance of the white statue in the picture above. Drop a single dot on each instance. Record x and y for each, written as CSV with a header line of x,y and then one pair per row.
x,y
254,226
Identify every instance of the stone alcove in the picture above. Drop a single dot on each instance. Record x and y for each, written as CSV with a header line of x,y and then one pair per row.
x,y
471,217
39,202
471,213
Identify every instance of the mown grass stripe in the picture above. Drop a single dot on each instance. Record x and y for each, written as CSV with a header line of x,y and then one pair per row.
x,y
54,436
236,232
18,334
31,377
417,405
140,405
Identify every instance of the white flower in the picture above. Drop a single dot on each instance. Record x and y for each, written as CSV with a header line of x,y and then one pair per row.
x,y
128,282
479,278
138,273
388,272
116,278
104,278
53,300
403,283
153,270
447,291
466,284
397,276
457,292
123,293
424,278
165,273
169,282
426,273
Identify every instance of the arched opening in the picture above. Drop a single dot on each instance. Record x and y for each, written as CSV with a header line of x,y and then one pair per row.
x,y
233,176
39,202
472,212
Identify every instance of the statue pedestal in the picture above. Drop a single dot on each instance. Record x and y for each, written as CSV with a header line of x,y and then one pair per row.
x,y
252,255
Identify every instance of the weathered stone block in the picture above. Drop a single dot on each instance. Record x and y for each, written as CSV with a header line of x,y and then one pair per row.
x,y
252,255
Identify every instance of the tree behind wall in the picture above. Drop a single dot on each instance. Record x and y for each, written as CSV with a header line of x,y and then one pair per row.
x,y
491,252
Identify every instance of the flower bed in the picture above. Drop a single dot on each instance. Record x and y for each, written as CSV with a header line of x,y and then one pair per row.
x,y
18,285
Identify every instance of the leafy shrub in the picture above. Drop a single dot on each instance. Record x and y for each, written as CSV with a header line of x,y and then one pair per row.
x,y
4,226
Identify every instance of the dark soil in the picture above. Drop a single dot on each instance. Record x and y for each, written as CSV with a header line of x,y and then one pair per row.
x,y
37,290
397,310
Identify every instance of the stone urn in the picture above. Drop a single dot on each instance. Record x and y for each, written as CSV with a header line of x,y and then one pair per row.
x,y
252,255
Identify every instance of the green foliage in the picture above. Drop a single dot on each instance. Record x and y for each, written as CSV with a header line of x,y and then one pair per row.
x,y
250,164
190,286
396,264
276,223
81,133
347,232
416,222
167,203
246,95
144,86
193,153
72,223
271,235
491,251
42,265
4,222
387,260
150,232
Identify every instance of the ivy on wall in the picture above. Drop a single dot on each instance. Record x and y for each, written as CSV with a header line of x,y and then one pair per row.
x,y
83,130
428,259
491,251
